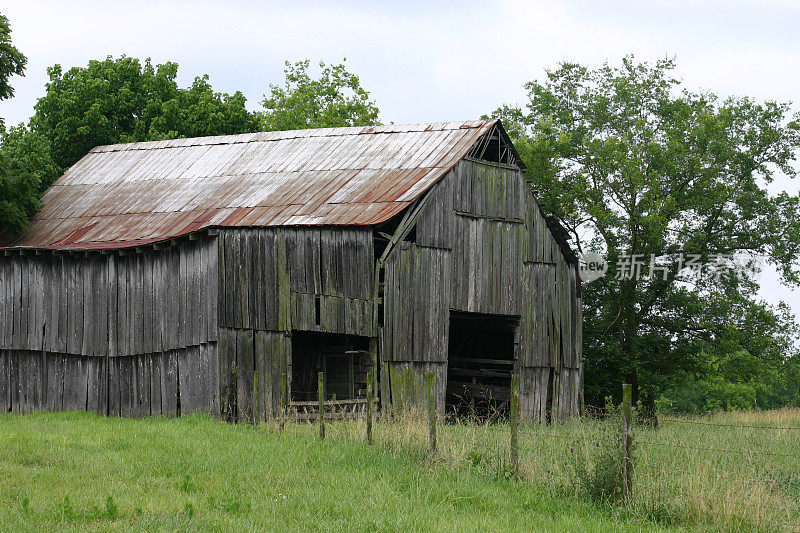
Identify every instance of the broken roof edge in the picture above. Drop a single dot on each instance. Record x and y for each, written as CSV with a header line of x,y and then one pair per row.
x,y
118,246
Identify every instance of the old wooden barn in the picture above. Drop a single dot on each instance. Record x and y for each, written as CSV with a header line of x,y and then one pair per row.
x,y
154,267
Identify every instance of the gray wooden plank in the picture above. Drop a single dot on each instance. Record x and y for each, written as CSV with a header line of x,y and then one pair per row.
x,y
226,349
182,337
208,375
147,342
141,385
126,386
22,380
122,329
263,365
160,301
38,302
281,348
95,385
70,377
114,393
197,307
54,387
154,360
269,279
174,313
202,291
101,313
245,366
5,382
168,362
40,362
187,380
13,379
16,301
81,383
5,308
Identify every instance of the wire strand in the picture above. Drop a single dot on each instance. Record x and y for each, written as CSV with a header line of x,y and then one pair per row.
x,y
745,426
723,450
721,474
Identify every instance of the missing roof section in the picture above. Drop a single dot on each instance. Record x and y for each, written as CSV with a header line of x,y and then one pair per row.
x,y
496,147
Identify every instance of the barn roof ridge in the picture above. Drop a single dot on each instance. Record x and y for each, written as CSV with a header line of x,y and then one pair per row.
x,y
281,135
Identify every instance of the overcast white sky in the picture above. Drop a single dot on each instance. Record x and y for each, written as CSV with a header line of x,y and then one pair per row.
x,y
421,62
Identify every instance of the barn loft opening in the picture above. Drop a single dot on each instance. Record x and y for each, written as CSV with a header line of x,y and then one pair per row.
x,y
494,147
480,363
344,360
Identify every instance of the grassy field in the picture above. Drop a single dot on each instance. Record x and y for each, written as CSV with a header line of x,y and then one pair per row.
x,y
65,471
78,471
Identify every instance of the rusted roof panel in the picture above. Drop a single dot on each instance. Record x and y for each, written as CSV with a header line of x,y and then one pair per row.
x,y
126,195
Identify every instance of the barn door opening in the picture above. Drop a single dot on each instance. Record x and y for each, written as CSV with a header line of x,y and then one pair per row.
x,y
344,360
480,363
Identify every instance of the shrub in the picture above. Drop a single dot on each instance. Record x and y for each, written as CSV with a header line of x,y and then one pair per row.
x,y
597,463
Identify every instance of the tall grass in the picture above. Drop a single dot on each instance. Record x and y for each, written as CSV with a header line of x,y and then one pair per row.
x,y
716,470
708,472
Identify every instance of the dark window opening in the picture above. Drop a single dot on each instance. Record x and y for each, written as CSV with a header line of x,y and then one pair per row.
x,y
492,150
343,359
480,363
317,311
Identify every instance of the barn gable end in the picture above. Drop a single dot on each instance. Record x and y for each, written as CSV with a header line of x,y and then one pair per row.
x,y
483,251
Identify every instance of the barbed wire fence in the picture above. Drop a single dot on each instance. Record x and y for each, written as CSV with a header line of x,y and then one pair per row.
x,y
712,471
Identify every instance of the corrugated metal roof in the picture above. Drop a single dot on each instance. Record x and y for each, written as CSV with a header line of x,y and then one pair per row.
x,y
132,194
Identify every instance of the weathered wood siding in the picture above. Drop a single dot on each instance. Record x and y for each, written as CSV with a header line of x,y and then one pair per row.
x,y
271,281
482,246
128,335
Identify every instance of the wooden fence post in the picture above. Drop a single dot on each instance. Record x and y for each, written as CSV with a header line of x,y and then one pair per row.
x,y
284,401
432,411
321,398
627,441
255,399
514,420
370,395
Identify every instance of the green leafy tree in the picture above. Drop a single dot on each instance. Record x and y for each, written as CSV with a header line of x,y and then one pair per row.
x,y
121,100
334,99
28,152
18,189
108,101
12,61
19,199
632,164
